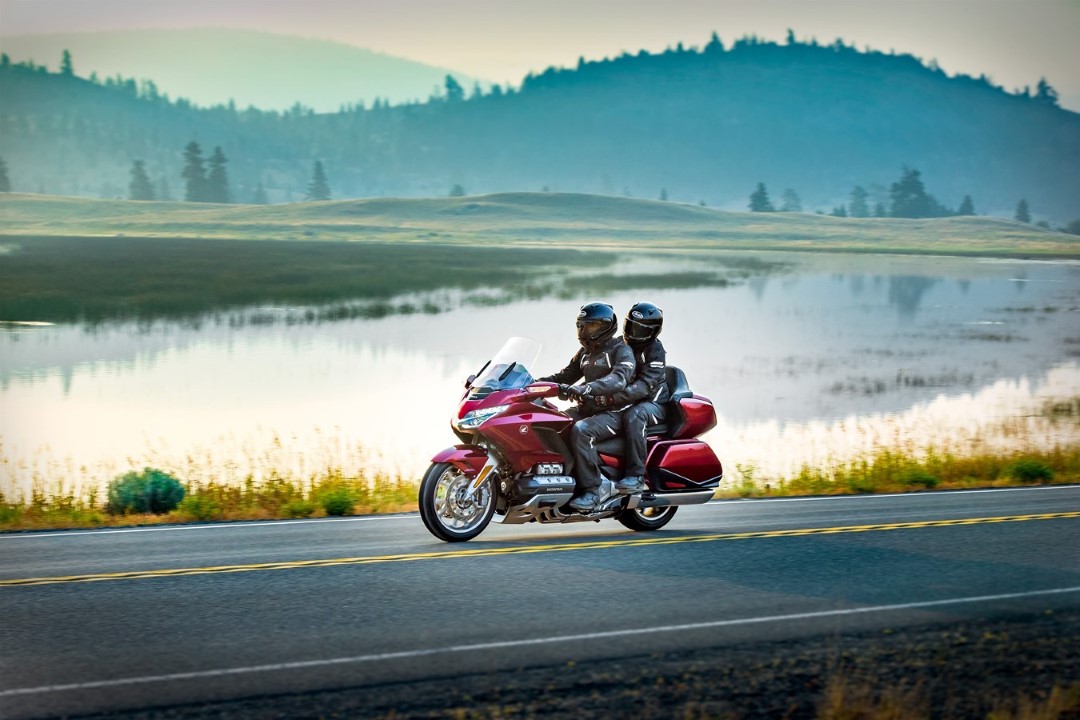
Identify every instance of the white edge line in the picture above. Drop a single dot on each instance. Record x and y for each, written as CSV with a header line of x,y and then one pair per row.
x,y
406,654
209,526
872,496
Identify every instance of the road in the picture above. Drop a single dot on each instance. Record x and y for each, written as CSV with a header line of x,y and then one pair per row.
x,y
95,621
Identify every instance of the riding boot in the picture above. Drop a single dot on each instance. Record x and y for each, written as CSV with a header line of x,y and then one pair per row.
x,y
591,500
630,485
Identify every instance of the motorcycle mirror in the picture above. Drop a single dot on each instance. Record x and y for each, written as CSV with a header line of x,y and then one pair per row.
x,y
469,380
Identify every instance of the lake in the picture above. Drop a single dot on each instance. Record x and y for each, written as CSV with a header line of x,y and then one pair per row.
x,y
808,357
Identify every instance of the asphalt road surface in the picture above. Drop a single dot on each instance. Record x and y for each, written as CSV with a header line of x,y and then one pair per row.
x,y
94,621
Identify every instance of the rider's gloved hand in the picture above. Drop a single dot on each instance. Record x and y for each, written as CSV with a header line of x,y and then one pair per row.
x,y
602,400
573,392
564,393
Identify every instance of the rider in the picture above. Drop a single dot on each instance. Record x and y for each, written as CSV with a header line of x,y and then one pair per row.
x,y
607,365
642,402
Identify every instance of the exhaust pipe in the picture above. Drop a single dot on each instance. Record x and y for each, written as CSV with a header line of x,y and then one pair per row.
x,y
683,498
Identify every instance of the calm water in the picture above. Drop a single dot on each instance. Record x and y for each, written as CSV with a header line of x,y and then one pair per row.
x,y
807,357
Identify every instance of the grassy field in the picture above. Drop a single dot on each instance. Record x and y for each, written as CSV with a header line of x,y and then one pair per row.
x,y
528,219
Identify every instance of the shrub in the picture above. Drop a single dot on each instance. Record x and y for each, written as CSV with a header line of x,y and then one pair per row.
x,y
201,507
1029,471
917,477
298,508
338,501
151,491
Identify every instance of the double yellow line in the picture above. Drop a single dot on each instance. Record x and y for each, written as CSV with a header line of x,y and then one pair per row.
x,y
523,550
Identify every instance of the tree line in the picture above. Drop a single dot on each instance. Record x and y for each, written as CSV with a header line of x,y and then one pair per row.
x,y
908,198
208,181
700,123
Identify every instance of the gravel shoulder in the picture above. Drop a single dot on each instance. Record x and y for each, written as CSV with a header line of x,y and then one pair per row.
x,y
963,670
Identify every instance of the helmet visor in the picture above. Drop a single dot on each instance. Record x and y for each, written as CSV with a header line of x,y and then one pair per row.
x,y
635,331
589,330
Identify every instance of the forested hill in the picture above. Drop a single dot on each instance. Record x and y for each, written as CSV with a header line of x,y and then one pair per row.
x,y
702,125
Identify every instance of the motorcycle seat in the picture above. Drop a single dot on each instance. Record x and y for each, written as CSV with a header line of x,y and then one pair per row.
x,y
678,389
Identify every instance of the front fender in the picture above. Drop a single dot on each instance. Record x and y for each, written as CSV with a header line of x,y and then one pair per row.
x,y
466,458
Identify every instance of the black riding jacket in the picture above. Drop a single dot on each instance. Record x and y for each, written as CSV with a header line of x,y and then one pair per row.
x,y
650,377
606,369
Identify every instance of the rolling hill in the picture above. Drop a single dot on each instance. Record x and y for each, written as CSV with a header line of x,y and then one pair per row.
x,y
693,125
212,66
527,219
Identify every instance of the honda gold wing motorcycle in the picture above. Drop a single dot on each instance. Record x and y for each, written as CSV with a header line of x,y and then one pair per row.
x,y
515,463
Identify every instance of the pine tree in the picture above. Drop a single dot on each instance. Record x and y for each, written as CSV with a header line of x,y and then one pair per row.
x,y
260,197
164,192
1023,214
66,68
454,91
858,206
880,211
967,206
217,181
5,183
759,200
140,187
663,194
791,201
839,211
909,198
458,190
1044,93
318,188
194,173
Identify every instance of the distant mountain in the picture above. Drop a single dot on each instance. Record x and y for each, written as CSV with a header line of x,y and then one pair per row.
x,y
211,66
692,125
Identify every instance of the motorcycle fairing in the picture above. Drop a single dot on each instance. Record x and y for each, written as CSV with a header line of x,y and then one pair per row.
x,y
466,458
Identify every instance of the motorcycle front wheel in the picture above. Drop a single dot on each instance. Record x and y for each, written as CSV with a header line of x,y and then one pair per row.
x,y
449,510
645,519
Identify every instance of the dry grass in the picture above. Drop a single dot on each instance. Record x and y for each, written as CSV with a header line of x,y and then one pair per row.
x,y
331,493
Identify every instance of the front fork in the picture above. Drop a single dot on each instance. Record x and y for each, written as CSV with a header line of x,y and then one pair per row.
x,y
490,467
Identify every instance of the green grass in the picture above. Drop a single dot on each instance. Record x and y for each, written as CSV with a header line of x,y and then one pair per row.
x,y
331,493
892,471
523,219
59,279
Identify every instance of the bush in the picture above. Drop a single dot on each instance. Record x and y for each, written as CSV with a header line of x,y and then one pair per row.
x,y
298,508
917,477
1029,471
151,491
337,502
201,507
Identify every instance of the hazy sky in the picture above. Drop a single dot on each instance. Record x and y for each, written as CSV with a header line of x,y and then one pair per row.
x,y
1014,41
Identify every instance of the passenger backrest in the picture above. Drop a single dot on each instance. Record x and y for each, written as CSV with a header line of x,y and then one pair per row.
x,y
677,386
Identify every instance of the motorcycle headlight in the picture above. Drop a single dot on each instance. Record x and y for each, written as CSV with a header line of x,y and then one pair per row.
x,y
476,418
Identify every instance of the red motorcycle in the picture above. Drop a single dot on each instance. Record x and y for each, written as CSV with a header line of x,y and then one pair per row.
x,y
515,461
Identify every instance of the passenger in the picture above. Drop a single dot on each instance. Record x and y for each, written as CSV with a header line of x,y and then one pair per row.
x,y
607,364
642,403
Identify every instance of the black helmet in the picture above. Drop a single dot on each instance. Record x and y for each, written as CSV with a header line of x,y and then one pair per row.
x,y
644,322
596,322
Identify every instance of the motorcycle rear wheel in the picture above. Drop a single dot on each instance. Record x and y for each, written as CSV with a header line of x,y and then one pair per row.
x,y
647,519
448,510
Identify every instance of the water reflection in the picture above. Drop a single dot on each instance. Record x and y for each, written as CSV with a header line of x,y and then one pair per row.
x,y
834,343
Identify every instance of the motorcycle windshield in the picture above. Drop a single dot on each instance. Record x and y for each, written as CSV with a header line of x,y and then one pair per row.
x,y
508,369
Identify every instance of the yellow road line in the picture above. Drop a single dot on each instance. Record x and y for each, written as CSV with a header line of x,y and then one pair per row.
x,y
526,549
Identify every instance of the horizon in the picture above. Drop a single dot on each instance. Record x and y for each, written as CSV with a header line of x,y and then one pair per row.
x,y
1013,43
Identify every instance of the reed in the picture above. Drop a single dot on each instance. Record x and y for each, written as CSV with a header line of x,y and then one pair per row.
x,y
891,470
